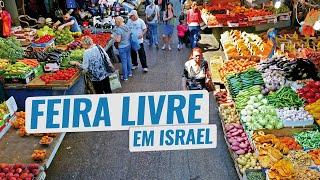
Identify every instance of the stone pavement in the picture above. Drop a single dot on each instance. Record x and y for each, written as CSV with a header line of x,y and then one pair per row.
x,y
105,155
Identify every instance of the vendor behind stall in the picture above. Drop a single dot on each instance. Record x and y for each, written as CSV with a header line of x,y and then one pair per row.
x,y
69,21
5,23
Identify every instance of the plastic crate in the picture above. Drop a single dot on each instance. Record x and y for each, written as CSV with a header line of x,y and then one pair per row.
x,y
25,79
43,45
38,70
247,171
287,123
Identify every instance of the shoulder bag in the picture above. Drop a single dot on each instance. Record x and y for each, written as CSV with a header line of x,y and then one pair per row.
x,y
150,18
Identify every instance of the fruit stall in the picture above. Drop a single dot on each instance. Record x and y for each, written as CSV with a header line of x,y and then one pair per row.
x,y
269,109
41,68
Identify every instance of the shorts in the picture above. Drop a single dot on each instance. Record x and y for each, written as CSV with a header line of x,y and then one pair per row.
x,y
168,30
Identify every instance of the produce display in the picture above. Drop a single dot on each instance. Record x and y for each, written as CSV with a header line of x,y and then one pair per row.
x,y
285,97
4,63
243,81
33,63
315,155
101,39
308,139
10,48
19,171
229,114
248,161
38,155
46,140
16,69
292,114
238,139
222,97
63,37
74,45
244,95
255,175
44,39
283,169
314,110
300,159
237,43
290,142
310,93
307,173
259,115
235,66
64,75
46,30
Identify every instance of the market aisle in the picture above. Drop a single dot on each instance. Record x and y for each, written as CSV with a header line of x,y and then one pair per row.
x,y
105,155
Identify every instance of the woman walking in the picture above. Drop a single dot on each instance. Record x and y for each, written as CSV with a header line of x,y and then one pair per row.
x,y
96,63
122,37
168,19
194,20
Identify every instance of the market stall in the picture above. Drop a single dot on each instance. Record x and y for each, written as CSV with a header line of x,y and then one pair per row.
x,y
269,110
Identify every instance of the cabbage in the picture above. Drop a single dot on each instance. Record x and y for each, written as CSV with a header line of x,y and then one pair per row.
x,y
262,121
269,126
260,96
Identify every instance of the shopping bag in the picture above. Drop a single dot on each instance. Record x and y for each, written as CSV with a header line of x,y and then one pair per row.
x,y
134,42
115,80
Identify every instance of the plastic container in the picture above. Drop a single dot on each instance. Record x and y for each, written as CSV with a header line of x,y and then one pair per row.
x,y
287,123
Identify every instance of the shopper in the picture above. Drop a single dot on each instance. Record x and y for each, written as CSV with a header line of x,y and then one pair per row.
x,y
96,63
182,28
168,19
194,20
122,37
102,5
196,72
152,19
138,29
69,21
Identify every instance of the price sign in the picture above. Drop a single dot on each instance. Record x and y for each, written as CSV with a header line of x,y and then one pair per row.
x,y
12,105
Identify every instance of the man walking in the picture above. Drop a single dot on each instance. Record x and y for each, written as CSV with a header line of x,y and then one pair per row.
x,y
138,29
152,19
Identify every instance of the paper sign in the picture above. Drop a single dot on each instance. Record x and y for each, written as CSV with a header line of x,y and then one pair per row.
x,y
12,105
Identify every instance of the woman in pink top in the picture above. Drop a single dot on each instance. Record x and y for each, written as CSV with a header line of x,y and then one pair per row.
x,y
182,28
194,20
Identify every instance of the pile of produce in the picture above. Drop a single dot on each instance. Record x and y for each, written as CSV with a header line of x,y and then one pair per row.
x,y
285,97
273,76
64,37
255,175
290,142
19,124
282,169
238,139
10,48
300,159
50,56
306,174
16,69
46,30
222,97
39,155
46,140
236,66
77,55
282,9
243,81
3,110
259,115
44,39
243,97
33,63
314,110
247,161
4,63
308,139
64,75
294,114
19,171
101,39
315,155
310,92
229,114
314,56
298,69
74,45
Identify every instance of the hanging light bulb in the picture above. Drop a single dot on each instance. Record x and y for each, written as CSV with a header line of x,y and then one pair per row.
x,y
316,25
277,4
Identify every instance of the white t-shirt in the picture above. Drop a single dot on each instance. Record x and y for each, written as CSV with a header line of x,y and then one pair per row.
x,y
150,10
137,27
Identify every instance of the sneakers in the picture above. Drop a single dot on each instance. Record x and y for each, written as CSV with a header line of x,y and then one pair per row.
x,y
130,75
134,67
145,70
124,79
169,48
163,47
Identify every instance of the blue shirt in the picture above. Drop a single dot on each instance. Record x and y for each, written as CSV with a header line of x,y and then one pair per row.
x,y
75,26
125,34
94,64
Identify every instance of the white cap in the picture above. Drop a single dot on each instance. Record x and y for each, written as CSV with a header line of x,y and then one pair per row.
x,y
133,13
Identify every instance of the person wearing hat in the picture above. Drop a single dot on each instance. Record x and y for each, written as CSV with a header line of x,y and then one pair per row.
x,y
138,29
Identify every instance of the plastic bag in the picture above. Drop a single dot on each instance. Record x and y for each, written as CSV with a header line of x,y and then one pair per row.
x,y
134,41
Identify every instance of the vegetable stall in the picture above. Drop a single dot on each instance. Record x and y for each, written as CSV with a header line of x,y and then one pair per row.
x,y
270,107
36,63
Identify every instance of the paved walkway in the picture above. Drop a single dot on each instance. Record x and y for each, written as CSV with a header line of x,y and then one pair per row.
x,y
105,155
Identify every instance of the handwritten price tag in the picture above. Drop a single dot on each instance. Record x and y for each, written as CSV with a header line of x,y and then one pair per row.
x,y
12,105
